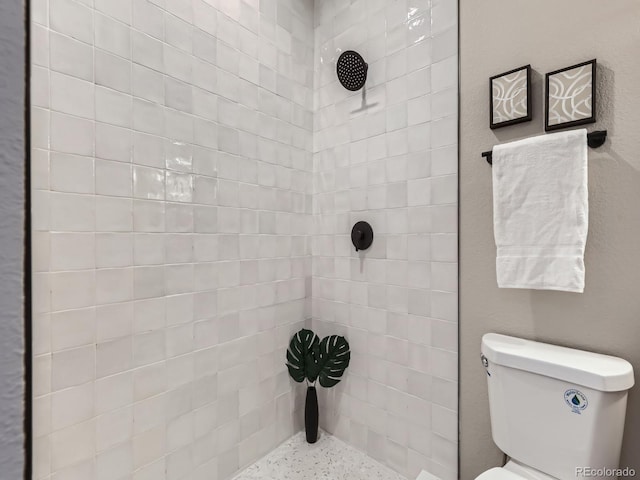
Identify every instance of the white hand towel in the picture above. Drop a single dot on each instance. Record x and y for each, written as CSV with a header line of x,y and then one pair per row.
x,y
541,211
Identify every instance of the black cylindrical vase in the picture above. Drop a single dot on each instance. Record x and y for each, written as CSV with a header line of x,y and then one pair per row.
x,y
311,415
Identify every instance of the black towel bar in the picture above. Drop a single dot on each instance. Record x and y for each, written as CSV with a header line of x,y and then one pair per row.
x,y
594,140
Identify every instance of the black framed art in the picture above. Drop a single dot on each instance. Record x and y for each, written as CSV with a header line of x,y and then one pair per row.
x,y
570,96
510,97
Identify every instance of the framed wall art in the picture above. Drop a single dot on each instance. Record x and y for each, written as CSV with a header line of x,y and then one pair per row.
x,y
570,97
510,97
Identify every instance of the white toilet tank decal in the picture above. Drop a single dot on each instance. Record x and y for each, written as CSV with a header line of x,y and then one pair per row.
x,y
576,400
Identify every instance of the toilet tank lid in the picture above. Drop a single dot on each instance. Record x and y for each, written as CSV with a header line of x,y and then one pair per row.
x,y
594,370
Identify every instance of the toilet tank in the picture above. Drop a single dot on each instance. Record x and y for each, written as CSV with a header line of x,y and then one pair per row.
x,y
554,408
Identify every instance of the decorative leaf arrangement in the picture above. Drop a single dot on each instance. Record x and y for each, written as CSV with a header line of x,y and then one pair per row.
x,y
309,358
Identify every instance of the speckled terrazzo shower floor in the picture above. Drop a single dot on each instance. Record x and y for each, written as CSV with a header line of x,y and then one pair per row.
x,y
327,459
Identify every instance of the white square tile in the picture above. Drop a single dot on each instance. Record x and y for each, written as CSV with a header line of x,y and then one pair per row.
x,y
113,178
73,328
118,9
72,290
148,117
72,134
179,187
419,110
148,216
112,36
148,282
148,183
70,56
113,107
71,173
72,95
148,18
40,43
148,84
40,12
114,214
72,251
148,447
444,74
113,143
113,357
149,347
114,285
444,247
116,462
72,18
149,381
72,406
148,249
420,55
114,321
113,392
72,367
73,445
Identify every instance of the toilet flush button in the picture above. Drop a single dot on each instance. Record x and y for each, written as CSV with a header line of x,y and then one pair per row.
x,y
485,363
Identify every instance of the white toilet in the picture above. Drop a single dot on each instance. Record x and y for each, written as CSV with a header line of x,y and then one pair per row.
x,y
554,410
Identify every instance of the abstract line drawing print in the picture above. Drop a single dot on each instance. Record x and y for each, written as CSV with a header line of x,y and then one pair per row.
x,y
570,95
509,94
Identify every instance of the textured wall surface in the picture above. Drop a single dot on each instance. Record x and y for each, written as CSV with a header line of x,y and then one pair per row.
x,y
172,187
497,36
390,159
12,165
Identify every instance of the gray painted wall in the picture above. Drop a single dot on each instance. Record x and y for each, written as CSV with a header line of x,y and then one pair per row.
x,y
497,36
12,164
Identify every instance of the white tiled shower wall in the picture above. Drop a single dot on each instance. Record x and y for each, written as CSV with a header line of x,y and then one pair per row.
x,y
176,147
172,180
390,158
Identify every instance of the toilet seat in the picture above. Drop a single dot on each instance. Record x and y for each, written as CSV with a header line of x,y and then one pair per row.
x,y
514,471
499,473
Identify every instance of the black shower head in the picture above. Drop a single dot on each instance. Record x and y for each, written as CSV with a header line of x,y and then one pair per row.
x,y
352,70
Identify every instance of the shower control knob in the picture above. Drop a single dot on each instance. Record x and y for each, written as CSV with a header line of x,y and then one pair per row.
x,y
362,236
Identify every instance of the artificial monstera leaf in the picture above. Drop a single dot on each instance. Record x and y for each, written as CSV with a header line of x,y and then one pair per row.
x,y
330,360
299,353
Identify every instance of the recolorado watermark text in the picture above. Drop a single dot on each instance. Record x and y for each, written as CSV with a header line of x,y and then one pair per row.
x,y
605,472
